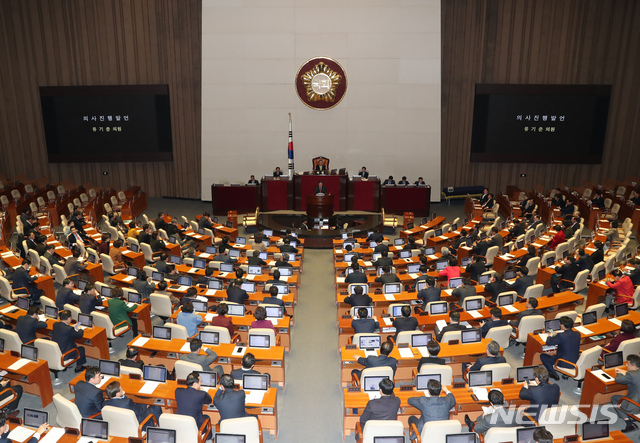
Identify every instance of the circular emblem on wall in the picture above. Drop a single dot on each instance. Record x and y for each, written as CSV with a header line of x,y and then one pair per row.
x,y
321,83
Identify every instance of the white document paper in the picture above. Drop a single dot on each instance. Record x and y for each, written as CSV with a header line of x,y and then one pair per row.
x,y
474,314
583,330
186,347
7,309
251,277
405,352
239,351
414,276
373,395
511,308
339,251
424,352
441,324
543,337
18,364
340,279
389,296
254,397
603,376
367,263
433,257
20,433
208,317
140,341
448,291
387,321
373,353
481,393
149,387
192,270
616,321
129,278
7,254
211,292
53,435
205,255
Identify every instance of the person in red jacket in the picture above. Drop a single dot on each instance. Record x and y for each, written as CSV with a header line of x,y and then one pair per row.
x,y
621,289
558,238
627,332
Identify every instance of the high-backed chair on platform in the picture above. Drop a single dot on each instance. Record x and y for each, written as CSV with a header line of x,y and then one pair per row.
x,y
322,162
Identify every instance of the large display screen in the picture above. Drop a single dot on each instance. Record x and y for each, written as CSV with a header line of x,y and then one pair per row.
x,y
539,123
124,123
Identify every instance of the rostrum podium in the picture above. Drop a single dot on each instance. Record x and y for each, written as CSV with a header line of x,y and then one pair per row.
x,y
320,206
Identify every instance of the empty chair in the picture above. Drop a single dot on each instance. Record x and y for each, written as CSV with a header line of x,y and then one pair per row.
x,y
161,305
445,372
50,351
186,427
588,358
177,331
492,214
149,255
378,371
223,334
599,308
527,325
250,221
629,347
8,293
67,413
491,254
559,420
184,368
12,340
596,270
451,335
534,291
51,195
500,371
126,370
501,334
15,194
573,315
379,428
46,301
113,331
248,426
124,423
435,431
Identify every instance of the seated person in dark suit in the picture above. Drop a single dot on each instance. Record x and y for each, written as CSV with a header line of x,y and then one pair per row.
x,y
50,254
597,200
190,400
406,322
496,286
465,290
495,321
277,172
362,324
433,407
384,260
66,295
403,181
539,392
252,180
273,299
4,430
374,361
568,271
433,347
348,250
320,189
430,292
89,300
116,398
89,398
476,267
28,324
205,221
230,402
531,253
584,261
363,172
568,342
74,265
380,248
493,356
383,408
75,237
598,255
634,275
498,418
286,247
132,360
22,279
248,362
65,335
276,279
454,325
358,298
523,281
255,259
357,276
420,182
377,237
496,239
532,305
387,276
235,293
204,280
461,241
284,261
389,182
479,246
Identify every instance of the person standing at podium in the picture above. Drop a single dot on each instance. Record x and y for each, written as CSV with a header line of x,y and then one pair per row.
x,y
320,189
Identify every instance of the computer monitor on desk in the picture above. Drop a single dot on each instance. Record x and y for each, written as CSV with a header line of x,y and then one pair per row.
x,y
613,360
506,299
484,279
256,382
226,267
368,308
95,429
209,338
525,372
154,373
215,284
108,367
595,431
249,286
162,333
29,352
480,378
441,265
161,435
176,259
230,438
184,281
413,268
525,435
471,336
552,325
418,340
235,310
423,379
208,379
589,318
621,309
438,308
85,320
472,305
259,341
397,310
455,282
465,437
388,439
372,383
429,251
392,288
33,418
369,342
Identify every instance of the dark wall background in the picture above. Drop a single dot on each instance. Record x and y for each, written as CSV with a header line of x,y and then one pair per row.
x,y
105,42
547,42
84,42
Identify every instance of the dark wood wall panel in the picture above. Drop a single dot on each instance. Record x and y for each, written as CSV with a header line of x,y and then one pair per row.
x,y
540,42
106,42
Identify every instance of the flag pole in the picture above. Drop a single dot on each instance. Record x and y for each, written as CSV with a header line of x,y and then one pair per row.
x,y
290,148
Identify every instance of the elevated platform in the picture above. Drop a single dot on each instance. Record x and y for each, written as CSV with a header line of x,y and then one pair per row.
x,y
360,222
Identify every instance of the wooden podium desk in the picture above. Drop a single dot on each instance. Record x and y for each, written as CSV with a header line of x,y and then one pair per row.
x,y
400,199
243,324
166,352
598,392
356,402
277,193
135,258
34,377
45,282
243,198
601,327
305,184
420,230
460,353
164,396
95,337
